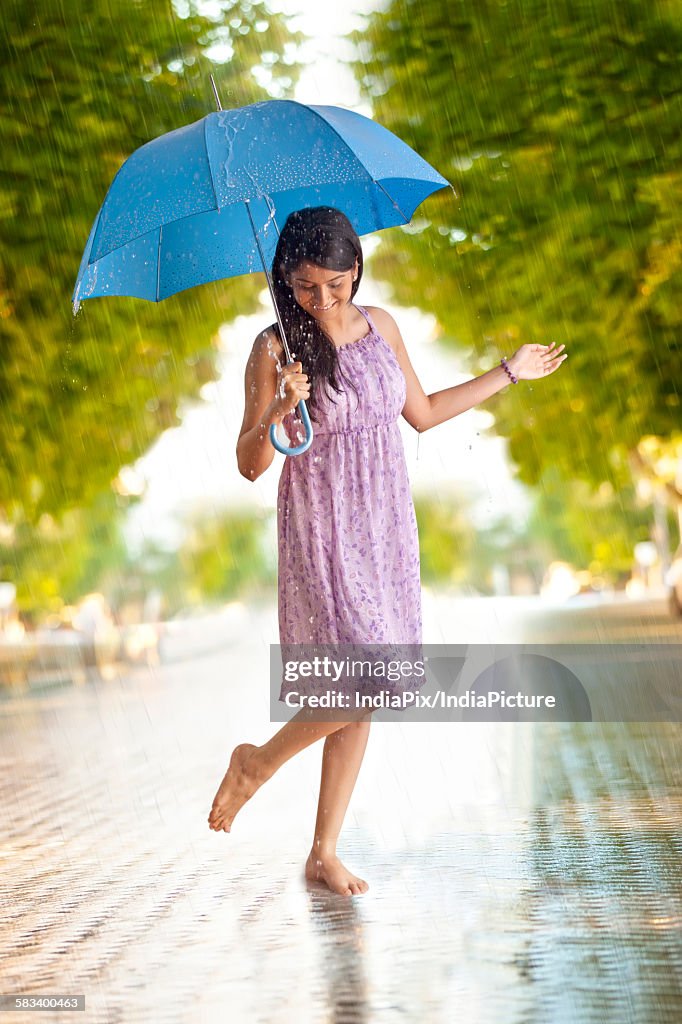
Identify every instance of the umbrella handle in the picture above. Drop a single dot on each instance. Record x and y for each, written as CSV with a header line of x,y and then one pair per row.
x,y
303,447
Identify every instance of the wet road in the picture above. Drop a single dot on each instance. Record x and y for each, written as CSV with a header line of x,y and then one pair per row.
x,y
518,872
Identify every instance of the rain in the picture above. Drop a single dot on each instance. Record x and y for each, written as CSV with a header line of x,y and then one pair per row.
x,y
516,825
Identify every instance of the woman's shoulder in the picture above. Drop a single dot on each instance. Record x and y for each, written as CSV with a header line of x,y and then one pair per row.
x,y
268,343
265,357
385,324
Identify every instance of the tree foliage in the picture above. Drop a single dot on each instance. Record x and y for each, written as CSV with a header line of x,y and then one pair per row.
x,y
595,529
225,556
57,561
559,125
80,89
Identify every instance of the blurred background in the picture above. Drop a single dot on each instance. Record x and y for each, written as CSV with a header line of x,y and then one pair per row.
x,y
559,128
519,871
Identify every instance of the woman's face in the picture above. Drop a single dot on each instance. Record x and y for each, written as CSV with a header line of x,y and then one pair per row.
x,y
321,293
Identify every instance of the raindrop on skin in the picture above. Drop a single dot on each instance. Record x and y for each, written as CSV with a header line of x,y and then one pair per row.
x,y
273,354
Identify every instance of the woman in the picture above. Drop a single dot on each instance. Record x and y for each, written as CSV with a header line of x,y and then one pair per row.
x,y
348,543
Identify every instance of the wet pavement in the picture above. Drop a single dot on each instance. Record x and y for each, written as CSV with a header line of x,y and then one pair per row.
x,y
518,872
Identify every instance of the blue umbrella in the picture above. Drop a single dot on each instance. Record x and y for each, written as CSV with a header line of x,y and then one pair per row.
x,y
203,202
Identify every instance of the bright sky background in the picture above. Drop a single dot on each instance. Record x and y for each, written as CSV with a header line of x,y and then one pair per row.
x,y
195,464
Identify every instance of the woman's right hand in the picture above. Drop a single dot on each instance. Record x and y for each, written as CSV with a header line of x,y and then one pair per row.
x,y
292,386
271,391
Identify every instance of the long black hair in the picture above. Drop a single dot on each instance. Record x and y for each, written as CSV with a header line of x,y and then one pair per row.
x,y
323,236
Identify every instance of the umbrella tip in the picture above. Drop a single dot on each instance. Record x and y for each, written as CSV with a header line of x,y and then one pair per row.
x,y
215,93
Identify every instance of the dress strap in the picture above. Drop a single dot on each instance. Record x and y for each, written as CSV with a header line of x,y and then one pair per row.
x,y
367,317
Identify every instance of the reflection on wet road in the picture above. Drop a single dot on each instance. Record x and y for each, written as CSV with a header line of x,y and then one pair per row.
x,y
519,872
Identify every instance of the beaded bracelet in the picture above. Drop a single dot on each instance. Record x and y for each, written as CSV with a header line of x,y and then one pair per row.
x,y
514,380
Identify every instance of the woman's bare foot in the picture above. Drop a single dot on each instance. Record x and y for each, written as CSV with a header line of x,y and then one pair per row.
x,y
329,869
239,784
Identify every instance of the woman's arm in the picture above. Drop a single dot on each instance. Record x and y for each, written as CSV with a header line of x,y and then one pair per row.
x,y
269,394
423,411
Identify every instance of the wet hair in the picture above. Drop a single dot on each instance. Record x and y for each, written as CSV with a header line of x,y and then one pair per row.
x,y
323,236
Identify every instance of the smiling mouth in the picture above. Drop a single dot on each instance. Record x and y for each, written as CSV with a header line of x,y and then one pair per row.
x,y
324,308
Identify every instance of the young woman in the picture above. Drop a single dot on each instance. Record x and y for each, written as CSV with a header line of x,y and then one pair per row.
x,y
347,533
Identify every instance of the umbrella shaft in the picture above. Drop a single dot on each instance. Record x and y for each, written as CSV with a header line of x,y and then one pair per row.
x,y
215,93
285,343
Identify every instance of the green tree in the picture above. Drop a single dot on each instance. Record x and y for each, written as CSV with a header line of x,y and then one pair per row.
x,y
57,560
225,556
79,91
559,125
455,551
446,541
594,530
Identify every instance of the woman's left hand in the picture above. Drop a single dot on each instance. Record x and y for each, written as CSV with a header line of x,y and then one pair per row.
x,y
530,362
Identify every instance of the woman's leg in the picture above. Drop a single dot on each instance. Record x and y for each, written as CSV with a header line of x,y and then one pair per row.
x,y
250,766
341,760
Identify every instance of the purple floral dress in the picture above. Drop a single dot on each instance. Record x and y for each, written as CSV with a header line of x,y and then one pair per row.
x,y
347,531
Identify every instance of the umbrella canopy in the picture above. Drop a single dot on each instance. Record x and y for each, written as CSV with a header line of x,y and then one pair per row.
x,y
179,212
203,202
